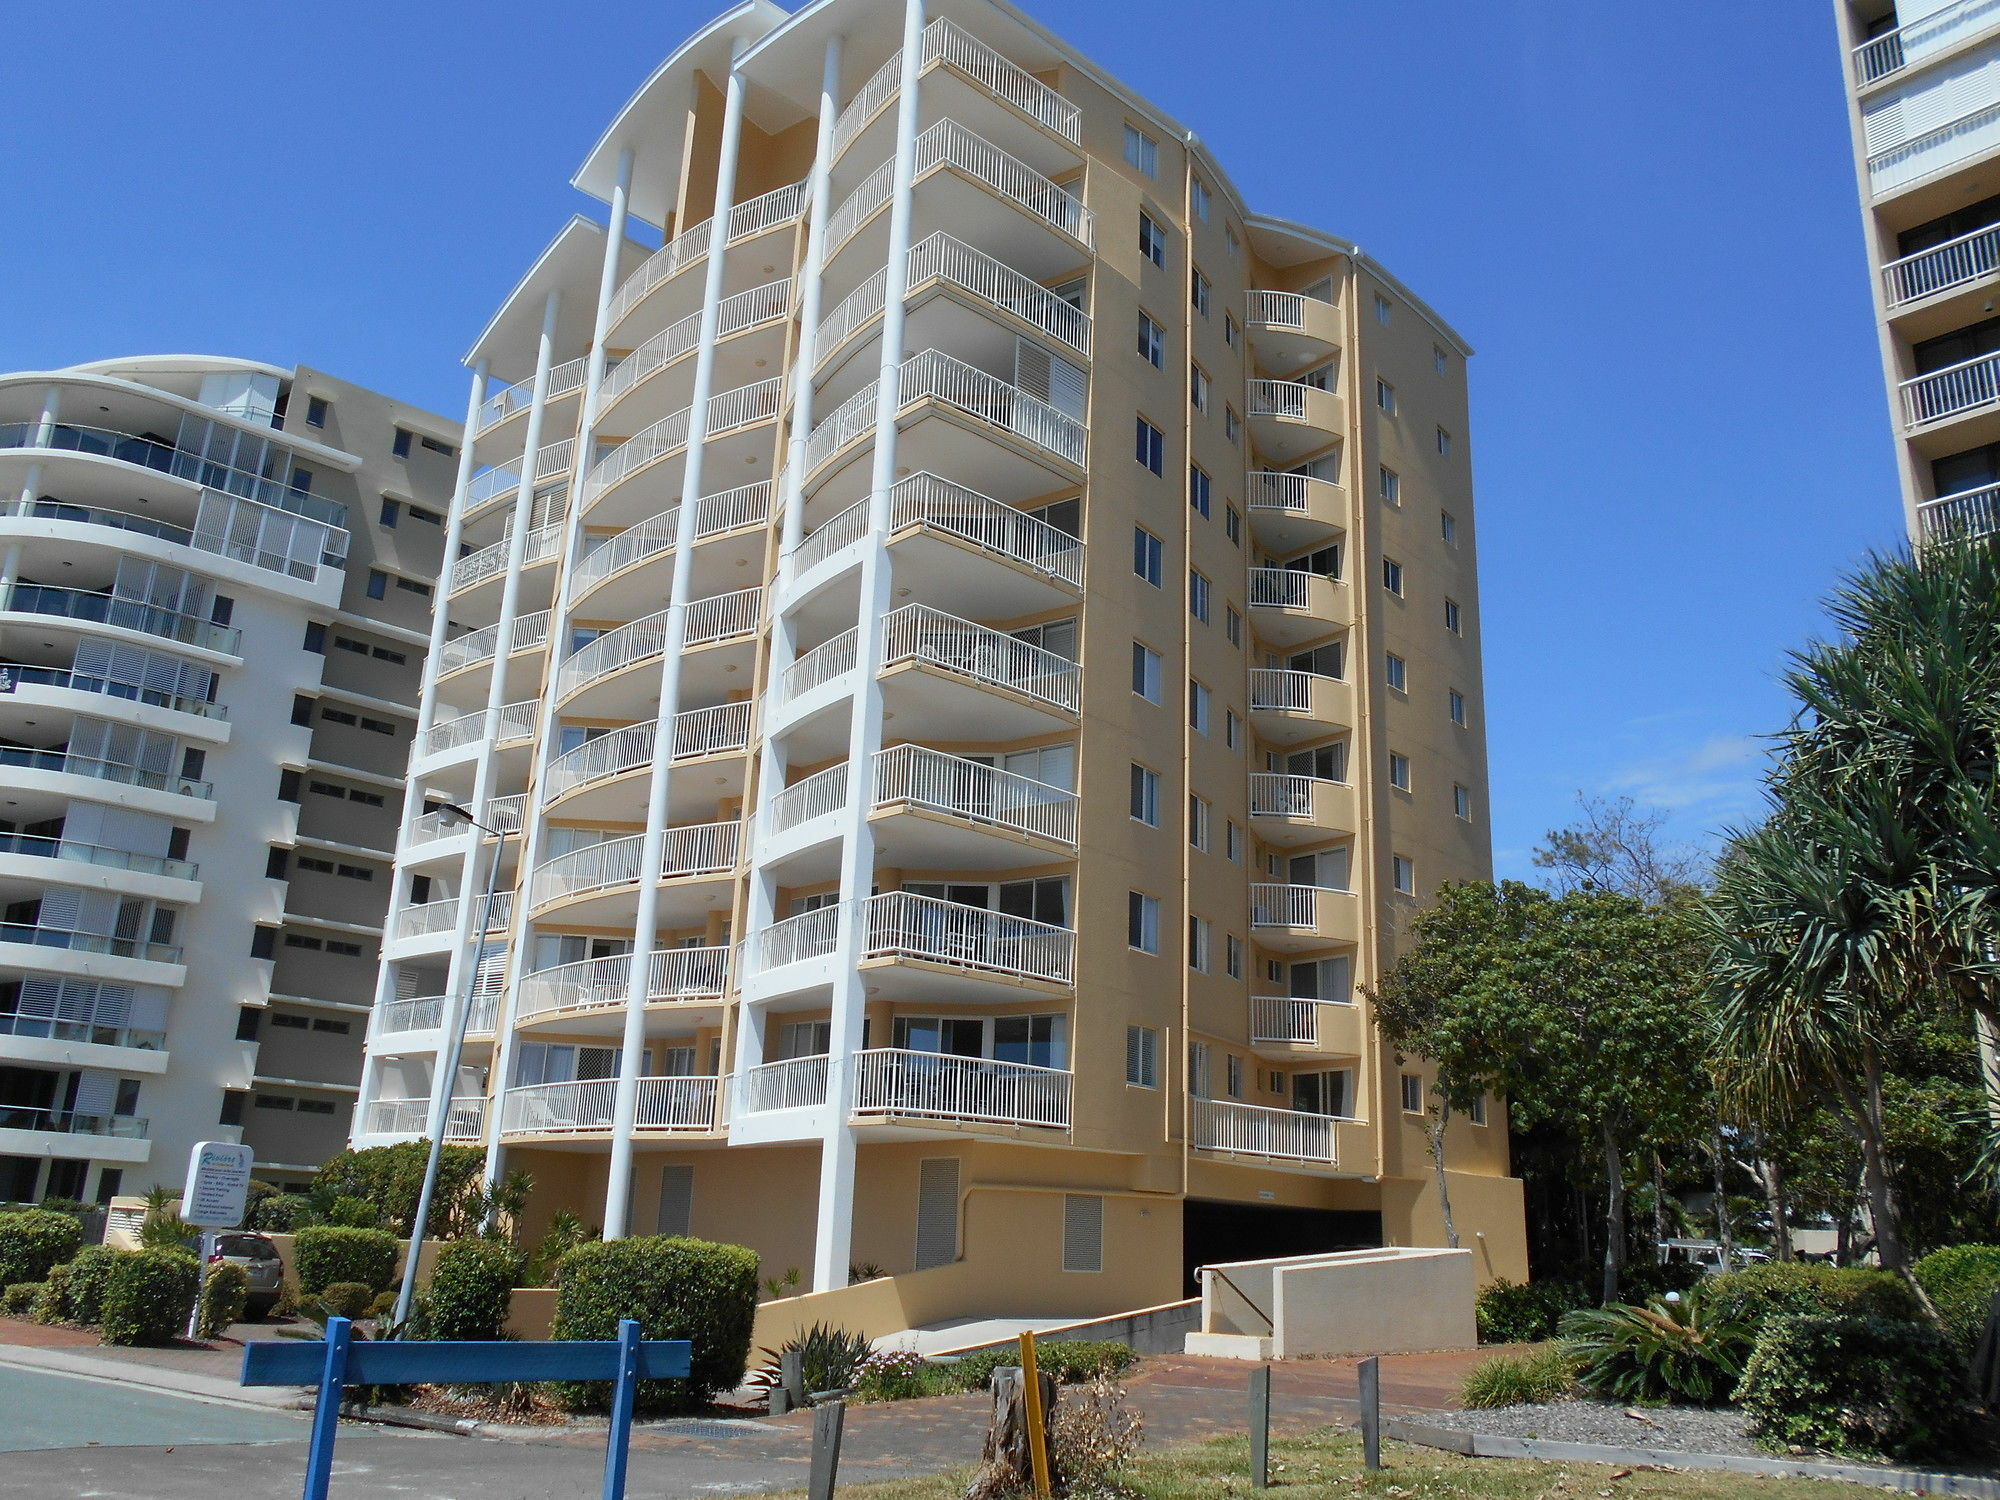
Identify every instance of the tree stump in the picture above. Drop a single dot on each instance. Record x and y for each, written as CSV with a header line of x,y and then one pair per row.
x,y
1006,1465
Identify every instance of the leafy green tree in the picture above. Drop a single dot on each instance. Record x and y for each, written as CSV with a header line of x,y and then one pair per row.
x,y
388,1179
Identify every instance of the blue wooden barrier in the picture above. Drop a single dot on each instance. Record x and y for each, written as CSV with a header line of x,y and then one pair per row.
x,y
339,1360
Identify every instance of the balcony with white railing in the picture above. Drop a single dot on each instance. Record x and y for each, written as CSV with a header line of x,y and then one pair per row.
x,y
730,412
805,801
517,723
1960,517
952,789
827,662
795,1083
715,515
465,1119
1257,1130
1942,30
1289,706
1293,811
588,1107
492,486
1288,1024
490,562
597,986
564,379
430,919
685,853
1295,917
929,638
1292,512
980,945
900,1083
1955,391
961,391
747,221
697,732
705,622
1290,326
477,647
1972,132
1290,606
765,306
1291,419
401,1017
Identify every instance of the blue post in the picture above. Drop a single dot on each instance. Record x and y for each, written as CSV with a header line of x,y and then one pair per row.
x,y
326,1415
624,1396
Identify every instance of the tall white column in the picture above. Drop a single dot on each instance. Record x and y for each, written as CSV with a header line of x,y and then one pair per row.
x,y
45,424
625,1108
535,810
834,1231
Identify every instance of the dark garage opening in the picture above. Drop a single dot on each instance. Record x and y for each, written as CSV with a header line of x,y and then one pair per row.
x,y
1215,1232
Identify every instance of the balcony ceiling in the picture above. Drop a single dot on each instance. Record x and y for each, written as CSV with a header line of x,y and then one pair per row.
x,y
570,264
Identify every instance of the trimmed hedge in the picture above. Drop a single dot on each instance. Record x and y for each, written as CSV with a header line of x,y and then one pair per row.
x,y
677,1289
1863,1386
282,1213
1069,1361
89,1275
1960,1282
149,1297
1513,1312
32,1240
53,1305
223,1296
1757,1295
18,1300
326,1253
471,1291
347,1299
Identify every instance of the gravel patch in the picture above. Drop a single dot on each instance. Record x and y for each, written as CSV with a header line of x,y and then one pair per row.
x,y
1680,1429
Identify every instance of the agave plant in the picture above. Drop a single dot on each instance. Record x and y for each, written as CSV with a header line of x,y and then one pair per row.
x,y
1663,1351
829,1358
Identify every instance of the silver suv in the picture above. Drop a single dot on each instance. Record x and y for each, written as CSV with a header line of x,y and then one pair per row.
x,y
259,1259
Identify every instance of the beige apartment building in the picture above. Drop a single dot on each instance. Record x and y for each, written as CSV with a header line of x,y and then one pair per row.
x,y
216,579
1924,92
964,674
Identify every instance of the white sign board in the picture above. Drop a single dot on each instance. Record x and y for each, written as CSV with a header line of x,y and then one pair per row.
x,y
218,1182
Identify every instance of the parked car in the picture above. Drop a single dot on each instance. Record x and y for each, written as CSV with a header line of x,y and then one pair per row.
x,y
259,1259
1709,1256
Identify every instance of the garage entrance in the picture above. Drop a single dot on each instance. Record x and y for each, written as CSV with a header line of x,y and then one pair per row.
x,y
1213,1232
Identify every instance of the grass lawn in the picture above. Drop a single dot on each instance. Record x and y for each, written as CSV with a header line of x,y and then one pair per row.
x,y
1326,1465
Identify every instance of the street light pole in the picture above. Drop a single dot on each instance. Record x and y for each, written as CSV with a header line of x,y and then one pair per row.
x,y
444,1079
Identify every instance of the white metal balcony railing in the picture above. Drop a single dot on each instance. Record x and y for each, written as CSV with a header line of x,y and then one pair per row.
x,y
543,543
1283,588
928,501
1970,513
428,917
22,758
817,795
746,505
673,974
697,731
1273,904
492,484
918,633
465,1119
496,408
726,412
1256,1130
946,41
1879,56
1938,150
707,621
1288,399
504,814
897,1081
1274,794
938,377
1291,493
969,789
398,1017
517,721
676,1103
811,934
1942,267
941,257
903,925
747,219
761,304
103,608
477,646
700,849
1956,389
1286,1018
1284,689
831,658
795,1083
1279,309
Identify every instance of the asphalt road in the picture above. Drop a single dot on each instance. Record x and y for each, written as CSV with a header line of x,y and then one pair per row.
x,y
44,1410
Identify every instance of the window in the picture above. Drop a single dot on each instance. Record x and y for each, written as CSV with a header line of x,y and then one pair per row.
x,y
411,586
1385,396
1440,361
1392,576
439,447
248,1020
1232,842
276,864
1198,596
263,942
1448,528
335,715
1233,1074
315,637
1413,1094
1229,330
1232,955
1198,387
1150,447
1198,198
429,517
232,1110
1142,922
1404,873
392,511
1198,944
1142,1057
1198,701
316,410
1142,151
1235,241
302,709
1145,796
1389,484
1381,309
288,785
1398,674
1197,823
1199,487
401,446
287,1022
378,584
1475,1109
1198,291
338,1028
1152,344
1146,673
1461,802
1444,442
1451,617
1232,624
1399,771
1232,729
1456,702
1146,553
1232,525
1152,240
1232,425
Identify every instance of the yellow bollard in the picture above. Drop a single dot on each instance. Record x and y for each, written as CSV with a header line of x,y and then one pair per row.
x,y
1038,1435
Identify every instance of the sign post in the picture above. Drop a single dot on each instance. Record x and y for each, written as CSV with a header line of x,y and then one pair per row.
x,y
218,1187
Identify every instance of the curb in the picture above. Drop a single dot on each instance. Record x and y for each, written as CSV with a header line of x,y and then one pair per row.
x,y
1489,1445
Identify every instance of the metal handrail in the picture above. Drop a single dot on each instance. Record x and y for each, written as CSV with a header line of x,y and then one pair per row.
x,y
746,505
700,849
543,543
753,217
918,633
938,504
517,720
497,483
71,1122
1280,904
1258,1130
478,646
830,659
697,731
563,379
943,257
761,304
731,409
817,795
901,1081
1285,689
1292,493
970,789
1969,513
902,924
465,1119
14,674
589,1105
42,847
673,974
1279,309
946,41
718,618
105,608
104,770
1288,1018
36,936
225,526
794,1083
1962,387
1275,794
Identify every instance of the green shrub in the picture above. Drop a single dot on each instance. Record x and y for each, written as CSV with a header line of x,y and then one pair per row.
x,y
1649,1279
346,1299
53,1305
384,1304
89,1275
677,1289
32,1240
348,1212
1960,1281
282,1213
1077,1361
18,1300
1755,1296
148,1297
1535,1377
1861,1386
829,1358
470,1291
1664,1351
898,1375
326,1253
1513,1312
387,1181
223,1295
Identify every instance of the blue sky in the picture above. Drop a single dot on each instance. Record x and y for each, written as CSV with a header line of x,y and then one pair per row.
x,y
1643,217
